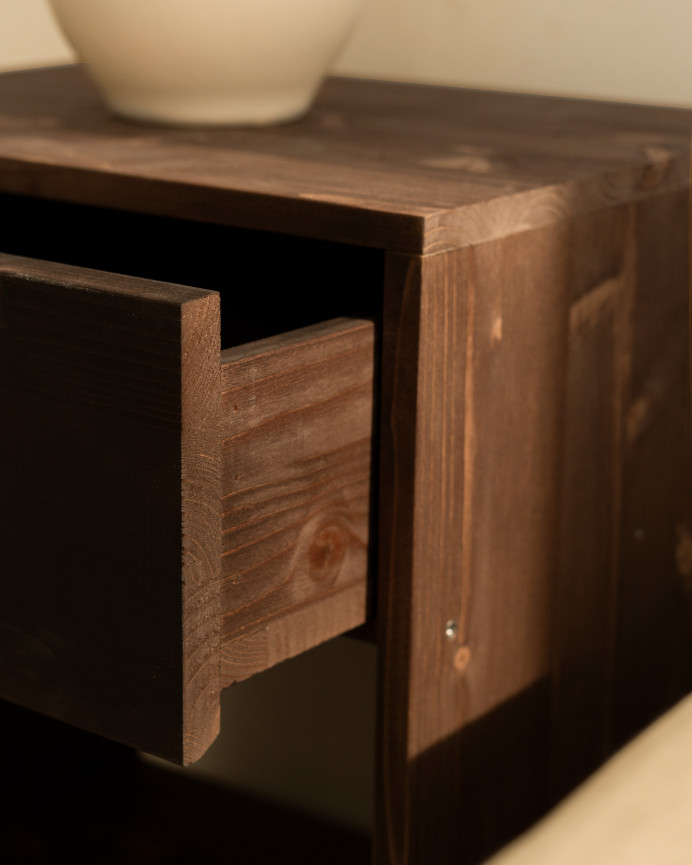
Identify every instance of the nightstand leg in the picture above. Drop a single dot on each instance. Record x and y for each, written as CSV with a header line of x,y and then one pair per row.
x,y
473,371
536,489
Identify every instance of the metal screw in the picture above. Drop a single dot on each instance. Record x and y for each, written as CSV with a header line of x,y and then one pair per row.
x,y
451,630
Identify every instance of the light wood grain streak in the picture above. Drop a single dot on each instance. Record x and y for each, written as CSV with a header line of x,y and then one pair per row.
x,y
653,394
504,215
595,303
468,522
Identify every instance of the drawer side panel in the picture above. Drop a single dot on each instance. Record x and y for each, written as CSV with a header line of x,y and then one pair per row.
x,y
297,414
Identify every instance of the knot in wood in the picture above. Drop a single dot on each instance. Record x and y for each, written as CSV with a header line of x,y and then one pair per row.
x,y
327,550
462,658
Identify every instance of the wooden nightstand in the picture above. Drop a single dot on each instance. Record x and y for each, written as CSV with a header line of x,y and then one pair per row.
x,y
468,401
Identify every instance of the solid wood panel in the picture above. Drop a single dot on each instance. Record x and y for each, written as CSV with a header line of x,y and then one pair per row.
x,y
528,445
297,439
404,167
408,470
602,286
200,472
474,363
654,634
109,506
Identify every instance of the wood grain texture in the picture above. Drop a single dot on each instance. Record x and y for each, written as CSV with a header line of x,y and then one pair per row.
x,y
602,288
654,634
419,688
201,523
474,359
623,616
534,440
536,510
297,438
403,167
109,590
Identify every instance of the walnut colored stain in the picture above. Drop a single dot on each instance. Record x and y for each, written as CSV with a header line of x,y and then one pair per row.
x,y
504,475
474,164
683,551
327,550
654,392
295,516
462,658
128,491
590,306
494,163
661,164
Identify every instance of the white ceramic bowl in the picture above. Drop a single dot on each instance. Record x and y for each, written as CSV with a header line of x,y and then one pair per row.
x,y
207,61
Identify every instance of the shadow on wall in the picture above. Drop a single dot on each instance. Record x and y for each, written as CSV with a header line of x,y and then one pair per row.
x,y
302,734
70,796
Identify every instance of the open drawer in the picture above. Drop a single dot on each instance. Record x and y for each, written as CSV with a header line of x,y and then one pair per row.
x,y
175,517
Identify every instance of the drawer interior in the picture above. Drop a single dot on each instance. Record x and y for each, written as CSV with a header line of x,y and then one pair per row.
x,y
269,283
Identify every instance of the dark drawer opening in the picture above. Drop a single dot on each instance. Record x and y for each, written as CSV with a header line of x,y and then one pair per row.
x,y
269,283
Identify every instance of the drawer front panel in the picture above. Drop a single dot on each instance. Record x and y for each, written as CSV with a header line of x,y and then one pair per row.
x,y
109,504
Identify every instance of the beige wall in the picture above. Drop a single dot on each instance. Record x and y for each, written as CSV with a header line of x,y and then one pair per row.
x,y
622,49
28,36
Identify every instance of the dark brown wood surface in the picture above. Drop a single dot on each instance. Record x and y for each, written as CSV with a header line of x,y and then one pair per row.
x,y
297,415
535,514
420,586
601,297
402,167
535,521
472,419
622,621
109,504
653,634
